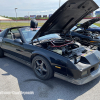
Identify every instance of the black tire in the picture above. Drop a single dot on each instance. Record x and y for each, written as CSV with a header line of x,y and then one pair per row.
x,y
1,53
42,68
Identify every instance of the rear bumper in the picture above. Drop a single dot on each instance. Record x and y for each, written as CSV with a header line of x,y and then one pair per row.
x,y
82,81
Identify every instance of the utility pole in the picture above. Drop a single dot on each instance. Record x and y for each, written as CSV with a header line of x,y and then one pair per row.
x,y
16,13
59,3
28,17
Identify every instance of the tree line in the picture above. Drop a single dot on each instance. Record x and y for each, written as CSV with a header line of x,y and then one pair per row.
x,y
22,18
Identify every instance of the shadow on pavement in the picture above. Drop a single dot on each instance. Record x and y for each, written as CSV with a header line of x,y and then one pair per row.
x,y
52,89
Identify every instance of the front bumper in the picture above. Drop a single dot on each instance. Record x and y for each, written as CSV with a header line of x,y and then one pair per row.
x,y
81,81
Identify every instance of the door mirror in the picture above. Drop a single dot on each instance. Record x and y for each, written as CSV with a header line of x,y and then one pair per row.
x,y
18,41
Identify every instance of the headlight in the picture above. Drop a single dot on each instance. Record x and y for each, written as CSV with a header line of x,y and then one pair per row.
x,y
84,73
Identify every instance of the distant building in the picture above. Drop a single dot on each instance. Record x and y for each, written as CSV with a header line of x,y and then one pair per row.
x,y
97,13
26,16
32,16
38,16
90,15
44,16
50,15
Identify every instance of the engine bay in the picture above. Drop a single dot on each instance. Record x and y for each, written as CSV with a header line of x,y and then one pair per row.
x,y
63,47
93,35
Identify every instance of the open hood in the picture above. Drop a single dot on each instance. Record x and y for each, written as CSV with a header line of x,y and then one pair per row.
x,y
68,15
88,23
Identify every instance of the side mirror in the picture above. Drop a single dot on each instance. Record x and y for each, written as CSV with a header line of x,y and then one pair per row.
x,y
18,41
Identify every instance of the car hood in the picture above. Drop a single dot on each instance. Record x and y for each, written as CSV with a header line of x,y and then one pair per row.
x,y
88,23
68,15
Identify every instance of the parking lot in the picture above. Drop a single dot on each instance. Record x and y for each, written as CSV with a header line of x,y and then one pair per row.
x,y
15,76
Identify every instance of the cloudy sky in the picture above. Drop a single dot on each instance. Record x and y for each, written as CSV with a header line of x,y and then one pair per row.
x,y
33,7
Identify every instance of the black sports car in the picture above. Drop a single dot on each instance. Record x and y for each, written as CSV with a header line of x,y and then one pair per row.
x,y
89,25
80,33
47,53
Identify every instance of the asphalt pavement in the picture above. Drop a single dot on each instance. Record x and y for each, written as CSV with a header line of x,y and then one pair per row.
x,y
16,77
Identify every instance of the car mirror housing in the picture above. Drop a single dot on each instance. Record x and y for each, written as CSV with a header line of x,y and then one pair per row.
x,y
18,41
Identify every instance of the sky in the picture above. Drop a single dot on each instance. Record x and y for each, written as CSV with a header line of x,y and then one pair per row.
x,y
30,7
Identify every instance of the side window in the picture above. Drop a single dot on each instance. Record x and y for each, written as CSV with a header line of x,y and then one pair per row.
x,y
13,34
9,35
14,31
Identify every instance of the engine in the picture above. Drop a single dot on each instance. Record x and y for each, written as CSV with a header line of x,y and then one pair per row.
x,y
63,47
94,35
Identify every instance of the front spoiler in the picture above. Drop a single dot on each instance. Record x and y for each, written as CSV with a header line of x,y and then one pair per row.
x,y
81,81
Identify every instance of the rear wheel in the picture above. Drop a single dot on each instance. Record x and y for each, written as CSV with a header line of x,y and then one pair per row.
x,y
42,68
1,53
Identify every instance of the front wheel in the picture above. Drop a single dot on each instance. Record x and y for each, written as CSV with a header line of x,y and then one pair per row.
x,y
42,68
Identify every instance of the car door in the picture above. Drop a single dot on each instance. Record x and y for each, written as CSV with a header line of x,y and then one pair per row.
x,y
10,46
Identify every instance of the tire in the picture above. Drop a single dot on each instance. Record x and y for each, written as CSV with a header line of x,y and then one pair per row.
x,y
1,53
42,68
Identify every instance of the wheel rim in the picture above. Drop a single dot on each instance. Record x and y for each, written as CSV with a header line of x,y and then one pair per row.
x,y
40,68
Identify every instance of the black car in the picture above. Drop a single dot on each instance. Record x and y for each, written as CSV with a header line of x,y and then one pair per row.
x,y
47,53
82,33
89,25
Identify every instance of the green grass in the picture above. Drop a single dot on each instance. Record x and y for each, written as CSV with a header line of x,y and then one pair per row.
x,y
4,25
97,24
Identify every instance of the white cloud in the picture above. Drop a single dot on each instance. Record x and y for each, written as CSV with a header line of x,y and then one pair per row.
x,y
7,7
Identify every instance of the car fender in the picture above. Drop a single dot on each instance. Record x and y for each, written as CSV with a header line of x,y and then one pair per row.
x,y
1,40
54,58
35,53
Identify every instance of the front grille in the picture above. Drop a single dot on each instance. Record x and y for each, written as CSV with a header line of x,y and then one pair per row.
x,y
94,68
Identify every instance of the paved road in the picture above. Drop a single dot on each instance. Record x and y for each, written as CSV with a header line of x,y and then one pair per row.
x,y
15,76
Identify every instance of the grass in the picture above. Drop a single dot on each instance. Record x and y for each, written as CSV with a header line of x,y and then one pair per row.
x,y
4,25
98,24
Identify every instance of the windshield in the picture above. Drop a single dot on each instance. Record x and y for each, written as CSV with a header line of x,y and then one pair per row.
x,y
73,28
78,29
92,26
28,33
50,36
